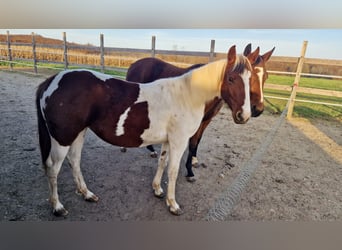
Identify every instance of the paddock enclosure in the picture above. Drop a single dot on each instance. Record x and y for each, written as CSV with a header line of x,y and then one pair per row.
x,y
299,178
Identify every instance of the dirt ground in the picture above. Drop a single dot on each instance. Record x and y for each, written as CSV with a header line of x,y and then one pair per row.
x,y
299,179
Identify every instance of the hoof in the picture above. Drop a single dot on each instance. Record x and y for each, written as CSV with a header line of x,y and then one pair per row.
x,y
195,165
60,212
159,196
92,198
190,178
176,212
154,154
123,150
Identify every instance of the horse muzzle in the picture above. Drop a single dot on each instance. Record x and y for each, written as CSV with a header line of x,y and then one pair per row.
x,y
256,111
241,117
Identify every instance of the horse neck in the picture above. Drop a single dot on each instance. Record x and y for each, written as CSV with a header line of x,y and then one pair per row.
x,y
206,81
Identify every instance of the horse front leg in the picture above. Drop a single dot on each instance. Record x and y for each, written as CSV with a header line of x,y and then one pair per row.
x,y
162,161
176,152
194,141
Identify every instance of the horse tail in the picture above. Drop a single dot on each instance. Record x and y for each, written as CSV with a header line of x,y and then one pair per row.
x,y
43,132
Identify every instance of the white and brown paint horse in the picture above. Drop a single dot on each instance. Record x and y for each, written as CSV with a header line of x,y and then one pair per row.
x,y
150,69
129,114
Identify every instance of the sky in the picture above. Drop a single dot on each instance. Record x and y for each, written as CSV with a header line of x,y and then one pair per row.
x,y
322,43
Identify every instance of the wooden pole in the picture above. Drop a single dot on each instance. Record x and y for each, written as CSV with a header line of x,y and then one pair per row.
x,y
65,53
212,51
153,48
102,52
34,53
9,49
296,81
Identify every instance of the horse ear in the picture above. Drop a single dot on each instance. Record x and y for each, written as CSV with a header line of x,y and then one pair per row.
x,y
231,57
252,57
267,55
247,50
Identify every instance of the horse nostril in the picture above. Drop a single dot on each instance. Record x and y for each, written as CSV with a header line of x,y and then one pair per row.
x,y
239,116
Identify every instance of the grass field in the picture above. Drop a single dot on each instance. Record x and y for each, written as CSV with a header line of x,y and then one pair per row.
x,y
308,82
302,109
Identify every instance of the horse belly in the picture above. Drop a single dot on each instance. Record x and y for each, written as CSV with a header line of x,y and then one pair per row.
x,y
153,136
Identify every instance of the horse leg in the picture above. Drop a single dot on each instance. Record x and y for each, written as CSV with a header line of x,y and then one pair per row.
x,y
190,175
74,158
194,141
210,111
154,153
162,162
53,165
176,152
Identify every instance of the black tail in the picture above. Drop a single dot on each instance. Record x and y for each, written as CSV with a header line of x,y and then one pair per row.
x,y
43,132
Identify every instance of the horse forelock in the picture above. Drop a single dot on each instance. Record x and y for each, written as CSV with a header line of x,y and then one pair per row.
x,y
241,63
257,61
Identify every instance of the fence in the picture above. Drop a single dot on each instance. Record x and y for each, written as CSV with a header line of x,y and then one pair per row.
x,y
65,55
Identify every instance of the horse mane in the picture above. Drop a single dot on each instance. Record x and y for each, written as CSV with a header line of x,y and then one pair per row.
x,y
240,64
195,66
257,61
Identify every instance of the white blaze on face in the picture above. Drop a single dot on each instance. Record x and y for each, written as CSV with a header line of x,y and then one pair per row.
x,y
120,126
246,108
261,76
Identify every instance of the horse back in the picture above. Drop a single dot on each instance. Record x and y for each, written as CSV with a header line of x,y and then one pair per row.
x,y
150,69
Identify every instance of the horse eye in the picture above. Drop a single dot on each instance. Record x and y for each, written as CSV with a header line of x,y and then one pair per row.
x,y
230,79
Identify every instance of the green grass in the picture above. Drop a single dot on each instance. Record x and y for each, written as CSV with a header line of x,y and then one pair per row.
x,y
307,110
309,82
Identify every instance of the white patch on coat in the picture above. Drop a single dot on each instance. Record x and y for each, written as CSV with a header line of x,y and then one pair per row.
x,y
261,76
49,91
194,160
246,108
55,84
101,76
120,130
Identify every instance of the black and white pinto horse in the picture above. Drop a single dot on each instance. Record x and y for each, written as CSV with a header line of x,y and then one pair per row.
x,y
129,115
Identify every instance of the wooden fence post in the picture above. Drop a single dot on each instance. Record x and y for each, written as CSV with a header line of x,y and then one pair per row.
x,y
102,52
9,54
34,53
65,53
296,81
212,51
153,48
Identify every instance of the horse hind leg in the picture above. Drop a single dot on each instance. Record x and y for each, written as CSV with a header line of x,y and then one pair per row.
x,y
153,153
74,158
53,165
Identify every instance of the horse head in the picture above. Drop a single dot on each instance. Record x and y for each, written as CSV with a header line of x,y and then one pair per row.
x,y
235,87
258,78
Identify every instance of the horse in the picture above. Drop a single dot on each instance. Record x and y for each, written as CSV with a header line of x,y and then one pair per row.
x,y
127,114
150,69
